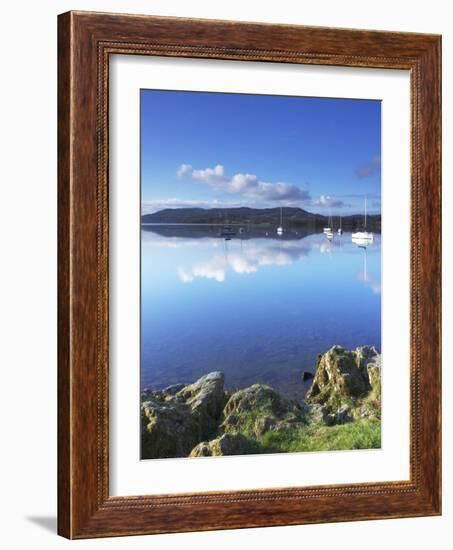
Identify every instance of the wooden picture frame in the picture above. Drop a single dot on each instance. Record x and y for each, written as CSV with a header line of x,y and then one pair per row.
x,y
85,42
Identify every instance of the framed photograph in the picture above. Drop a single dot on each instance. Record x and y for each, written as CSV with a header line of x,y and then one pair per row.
x,y
249,275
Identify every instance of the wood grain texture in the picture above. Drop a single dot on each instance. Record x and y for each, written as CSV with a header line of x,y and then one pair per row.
x,y
64,370
86,40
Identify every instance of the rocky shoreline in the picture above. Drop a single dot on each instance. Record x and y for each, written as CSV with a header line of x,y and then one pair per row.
x,y
341,410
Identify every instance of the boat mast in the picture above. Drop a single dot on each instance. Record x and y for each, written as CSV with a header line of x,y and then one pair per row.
x,y
281,219
365,210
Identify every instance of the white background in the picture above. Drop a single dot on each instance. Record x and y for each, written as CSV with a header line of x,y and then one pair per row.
x,y
129,476
28,271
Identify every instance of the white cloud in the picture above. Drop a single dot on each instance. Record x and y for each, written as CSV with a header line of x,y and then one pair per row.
x,y
245,185
327,200
183,170
212,176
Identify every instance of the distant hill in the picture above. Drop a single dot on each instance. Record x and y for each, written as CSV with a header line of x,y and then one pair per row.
x,y
292,217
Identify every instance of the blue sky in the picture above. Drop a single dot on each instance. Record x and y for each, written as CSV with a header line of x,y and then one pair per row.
x,y
226,150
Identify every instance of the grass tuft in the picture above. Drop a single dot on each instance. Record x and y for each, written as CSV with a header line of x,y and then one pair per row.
x,y
361,434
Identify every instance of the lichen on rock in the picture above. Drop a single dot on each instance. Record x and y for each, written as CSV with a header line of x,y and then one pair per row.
x,y
175,419
226,444
346,385
342,374
258,409
168,429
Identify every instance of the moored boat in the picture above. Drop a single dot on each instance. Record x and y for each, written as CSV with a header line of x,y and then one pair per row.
x,y
363,237
280,227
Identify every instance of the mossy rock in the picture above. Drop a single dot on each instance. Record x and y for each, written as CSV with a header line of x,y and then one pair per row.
x,y
258,409
167,430
344,374
226,445
175,419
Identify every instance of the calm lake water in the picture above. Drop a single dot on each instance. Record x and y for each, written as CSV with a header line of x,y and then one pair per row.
x,y
259,308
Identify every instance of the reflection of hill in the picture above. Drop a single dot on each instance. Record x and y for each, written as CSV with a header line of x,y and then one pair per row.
x,y
270,217
215,231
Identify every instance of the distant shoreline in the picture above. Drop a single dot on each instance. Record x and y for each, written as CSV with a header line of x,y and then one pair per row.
x,y
287,217
206,223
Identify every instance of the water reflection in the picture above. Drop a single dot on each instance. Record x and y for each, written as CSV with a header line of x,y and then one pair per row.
x,y
247,251
368,278
258,307
249,258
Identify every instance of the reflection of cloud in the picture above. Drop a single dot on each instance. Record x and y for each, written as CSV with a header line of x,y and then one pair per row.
x,y
170,243
245,262
325,247
369,281
215,269
184,276
368,278
150,239
245,185
369,168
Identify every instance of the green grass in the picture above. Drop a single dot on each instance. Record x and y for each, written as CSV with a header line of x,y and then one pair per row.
x,y
308,435
361,434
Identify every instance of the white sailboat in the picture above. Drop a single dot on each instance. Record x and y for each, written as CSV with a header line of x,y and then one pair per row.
x,y
340,231
363,237
328,231
280,227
